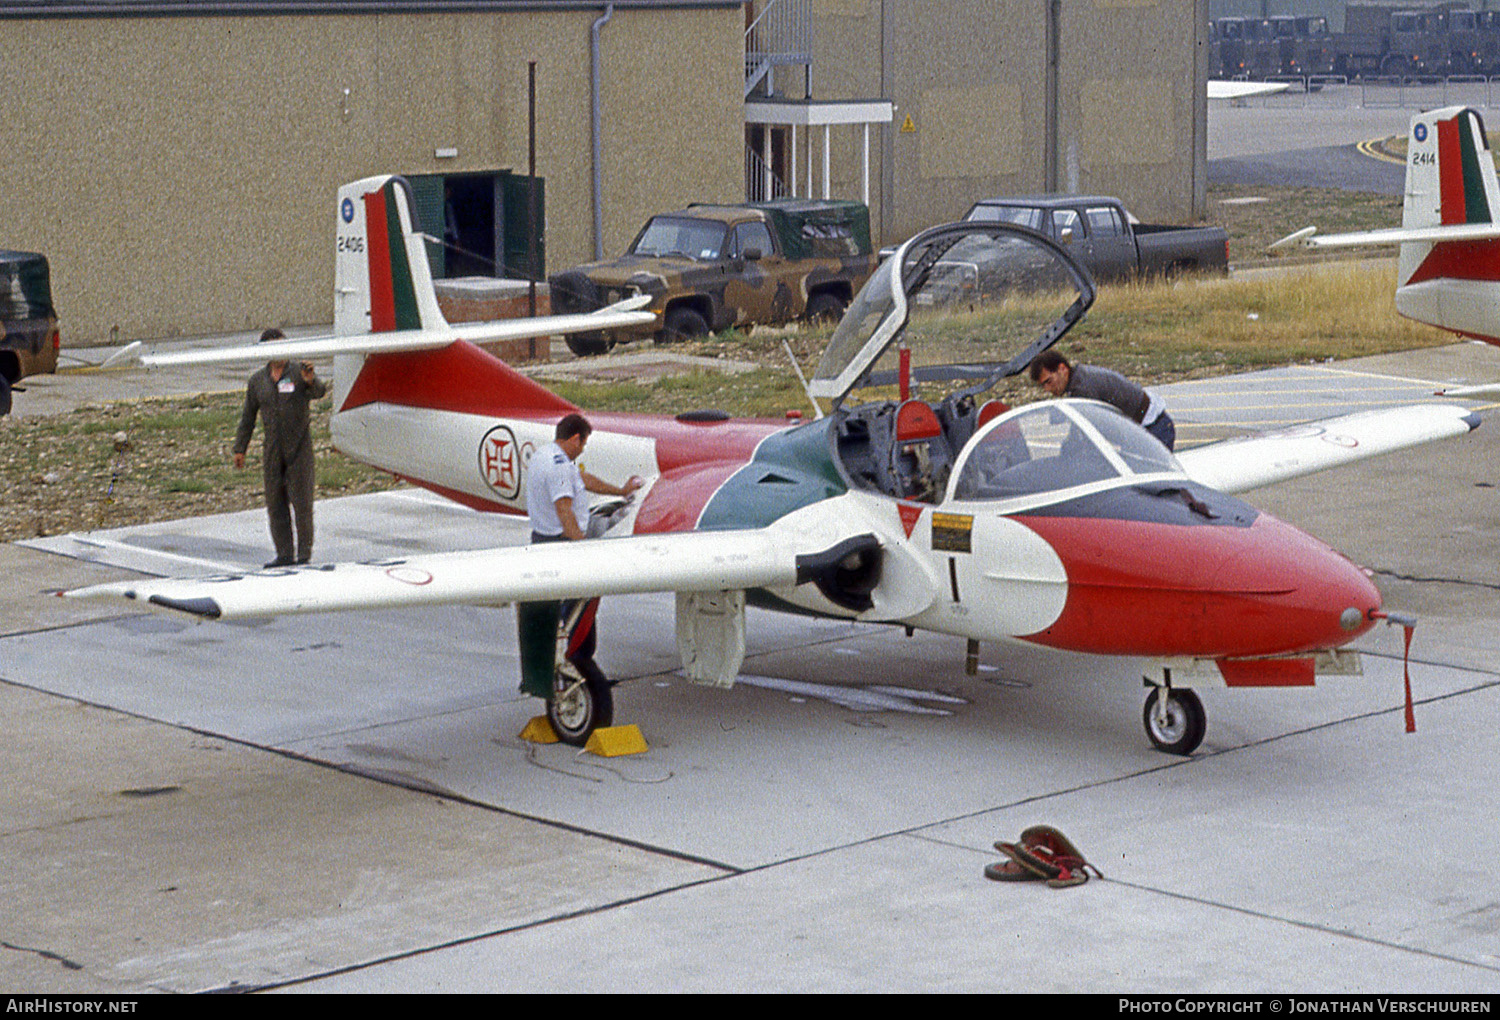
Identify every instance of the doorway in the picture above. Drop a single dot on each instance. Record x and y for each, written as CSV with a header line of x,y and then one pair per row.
x,y
478,224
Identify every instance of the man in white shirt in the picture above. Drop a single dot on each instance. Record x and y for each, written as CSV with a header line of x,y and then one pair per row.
x,y
557,502
557,488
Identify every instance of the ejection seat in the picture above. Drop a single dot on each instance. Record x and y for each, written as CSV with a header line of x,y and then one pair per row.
x,y
920,455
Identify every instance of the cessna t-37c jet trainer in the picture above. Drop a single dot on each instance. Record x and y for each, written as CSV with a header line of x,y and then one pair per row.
x,y
918,503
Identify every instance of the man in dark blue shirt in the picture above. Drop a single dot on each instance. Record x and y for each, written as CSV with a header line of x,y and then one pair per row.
x,y
1059,377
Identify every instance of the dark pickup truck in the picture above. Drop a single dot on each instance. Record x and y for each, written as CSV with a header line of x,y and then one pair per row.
x,y
1107,240
28,323
709,267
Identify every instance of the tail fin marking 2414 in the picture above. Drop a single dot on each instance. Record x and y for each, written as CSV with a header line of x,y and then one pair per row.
x,y
1448,273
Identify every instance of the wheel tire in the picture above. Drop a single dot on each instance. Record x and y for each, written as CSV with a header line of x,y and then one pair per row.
x,y
683,324
1395,67
825,308
589,706
588,345
1186,721
4,396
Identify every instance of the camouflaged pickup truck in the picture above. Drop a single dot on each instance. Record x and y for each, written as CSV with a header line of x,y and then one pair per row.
x,y
710,267
28,322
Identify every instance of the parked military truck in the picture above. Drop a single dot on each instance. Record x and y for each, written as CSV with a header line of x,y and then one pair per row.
x,y
1269,47
28,323
1376,40
710,267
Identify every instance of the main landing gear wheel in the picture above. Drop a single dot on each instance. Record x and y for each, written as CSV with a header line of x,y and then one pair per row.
x,y
581,702
1179,725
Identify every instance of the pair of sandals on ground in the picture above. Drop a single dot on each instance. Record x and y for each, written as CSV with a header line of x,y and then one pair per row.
x,y
1042,854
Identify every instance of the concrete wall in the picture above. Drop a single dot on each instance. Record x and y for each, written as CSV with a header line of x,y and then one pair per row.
x,y
973,119
1133,99
181,170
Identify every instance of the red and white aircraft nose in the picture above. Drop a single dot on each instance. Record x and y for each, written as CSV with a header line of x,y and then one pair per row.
x,y
1311,596
1210,591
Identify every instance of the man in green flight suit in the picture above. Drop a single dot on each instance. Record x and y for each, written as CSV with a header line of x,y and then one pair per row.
x,y
281,395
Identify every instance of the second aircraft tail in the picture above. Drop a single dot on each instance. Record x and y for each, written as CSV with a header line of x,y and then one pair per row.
x,y
1448,272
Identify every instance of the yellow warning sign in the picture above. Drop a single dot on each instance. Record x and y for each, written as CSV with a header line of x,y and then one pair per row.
x,y
952,532
908,126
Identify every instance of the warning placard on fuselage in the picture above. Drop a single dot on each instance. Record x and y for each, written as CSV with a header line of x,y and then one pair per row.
x,y
952,532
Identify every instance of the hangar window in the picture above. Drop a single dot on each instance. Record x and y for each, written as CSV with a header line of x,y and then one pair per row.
x,y
481,224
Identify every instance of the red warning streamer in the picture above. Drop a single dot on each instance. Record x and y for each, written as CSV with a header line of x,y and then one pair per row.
x,y
1410,627
1411,715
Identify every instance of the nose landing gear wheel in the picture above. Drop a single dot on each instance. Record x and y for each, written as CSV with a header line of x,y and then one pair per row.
x,y
1177,726
581,702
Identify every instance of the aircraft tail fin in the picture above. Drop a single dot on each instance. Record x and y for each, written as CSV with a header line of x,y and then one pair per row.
x,y
1450,171
1448,273
382,283
1451,279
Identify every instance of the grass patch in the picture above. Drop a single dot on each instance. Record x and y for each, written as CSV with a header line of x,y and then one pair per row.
x,y
1199,325
191,485
1211,325
67,472
1253,226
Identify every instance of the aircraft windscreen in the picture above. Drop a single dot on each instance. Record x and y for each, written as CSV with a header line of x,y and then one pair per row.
x,y
871,306
974,299
1039,450
1140,451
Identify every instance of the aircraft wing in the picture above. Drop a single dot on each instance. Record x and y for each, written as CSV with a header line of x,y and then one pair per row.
x,y
623,313
1249,462
1309,236
1220,89
1485,391
681,561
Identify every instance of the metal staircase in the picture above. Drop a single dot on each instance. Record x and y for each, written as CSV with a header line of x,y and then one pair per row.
x,y
761,183
780,36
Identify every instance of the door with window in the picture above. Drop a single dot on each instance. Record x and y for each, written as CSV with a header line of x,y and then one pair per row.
x,y
763,279
1111,247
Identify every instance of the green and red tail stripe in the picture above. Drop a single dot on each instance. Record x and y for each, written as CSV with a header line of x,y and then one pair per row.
x,y
1461,181
393,299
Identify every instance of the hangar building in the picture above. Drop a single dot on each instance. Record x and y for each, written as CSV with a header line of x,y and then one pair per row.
x,y
177,160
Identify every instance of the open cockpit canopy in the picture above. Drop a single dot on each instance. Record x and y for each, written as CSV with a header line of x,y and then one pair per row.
x,y
972,302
